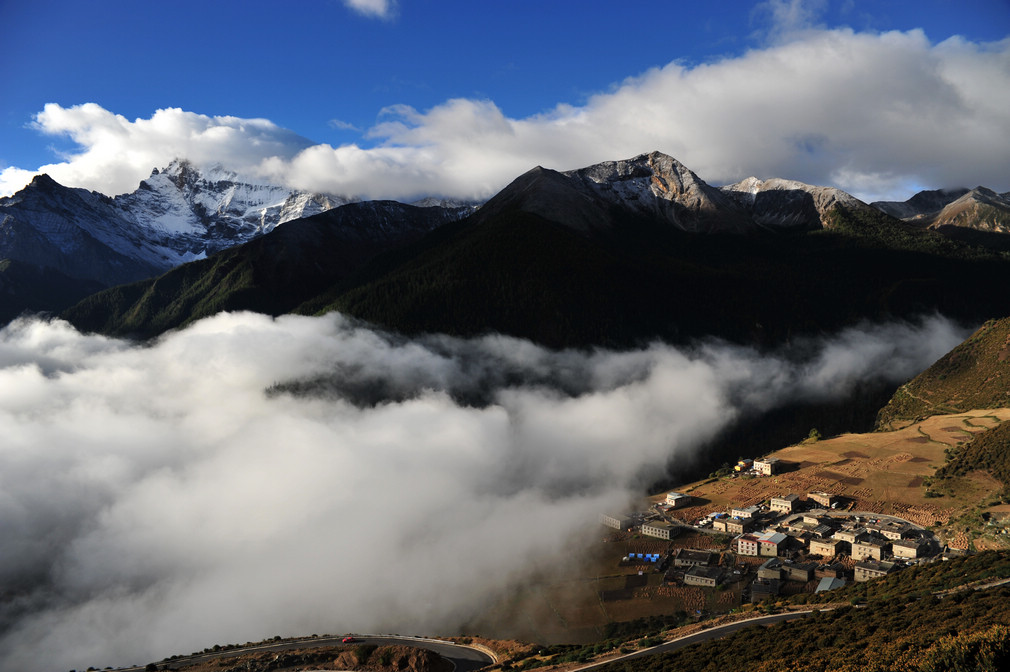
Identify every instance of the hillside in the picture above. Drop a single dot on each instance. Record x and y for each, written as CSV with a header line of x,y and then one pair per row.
x,y
520,274
25,286
972,375
899,625
271,274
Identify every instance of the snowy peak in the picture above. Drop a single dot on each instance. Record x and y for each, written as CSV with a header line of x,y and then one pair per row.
x,y
658,188
787,204
183,199
649,177
657,185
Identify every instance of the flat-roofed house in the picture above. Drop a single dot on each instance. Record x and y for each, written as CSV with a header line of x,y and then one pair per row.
x,y
767,466
799,571
851,535
745,512
618,522
908,548
660,529
762,589
893,530
733,525
827,548
677,500
771,569
747,544
689,557
870,569
825,499
874,548
703,576
785,504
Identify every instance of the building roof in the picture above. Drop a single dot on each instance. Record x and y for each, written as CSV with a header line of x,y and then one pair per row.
x,y
706,572
694,555
829,583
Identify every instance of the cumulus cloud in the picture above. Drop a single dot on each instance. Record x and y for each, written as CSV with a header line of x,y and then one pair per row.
x,y
879,115
164,498
116,153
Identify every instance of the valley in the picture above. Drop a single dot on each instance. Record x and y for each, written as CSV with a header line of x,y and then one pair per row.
x,y
576,339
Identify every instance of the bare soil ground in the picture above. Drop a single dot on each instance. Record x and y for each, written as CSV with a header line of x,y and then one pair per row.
x,y
881,471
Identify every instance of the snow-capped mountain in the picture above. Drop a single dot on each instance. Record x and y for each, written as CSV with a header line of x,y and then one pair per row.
x,y
786,204
183,201
656,184
659,188
176,215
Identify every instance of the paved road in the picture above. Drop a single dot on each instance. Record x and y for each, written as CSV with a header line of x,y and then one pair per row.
x,y
702,636
464,658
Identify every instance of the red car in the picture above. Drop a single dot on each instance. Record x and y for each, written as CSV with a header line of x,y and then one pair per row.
x,y
349,640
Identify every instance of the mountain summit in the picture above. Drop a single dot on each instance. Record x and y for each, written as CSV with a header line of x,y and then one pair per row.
x,y
658,188
176,215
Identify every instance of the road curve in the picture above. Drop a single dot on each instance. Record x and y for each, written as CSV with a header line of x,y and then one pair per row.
x,y
701,636
463,658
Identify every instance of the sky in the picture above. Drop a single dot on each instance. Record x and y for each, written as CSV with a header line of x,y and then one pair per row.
x,y
409,98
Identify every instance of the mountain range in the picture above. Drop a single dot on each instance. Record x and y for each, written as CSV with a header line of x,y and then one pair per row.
x,y
614,253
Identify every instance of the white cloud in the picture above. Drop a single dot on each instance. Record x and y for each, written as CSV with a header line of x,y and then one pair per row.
x,y
380,9
874,114
155,500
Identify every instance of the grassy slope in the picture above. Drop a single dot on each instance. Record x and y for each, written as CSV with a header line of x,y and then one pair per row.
x,y
972,375
895,630
901,625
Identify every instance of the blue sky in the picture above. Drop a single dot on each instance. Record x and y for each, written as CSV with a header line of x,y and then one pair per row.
x,y
419,93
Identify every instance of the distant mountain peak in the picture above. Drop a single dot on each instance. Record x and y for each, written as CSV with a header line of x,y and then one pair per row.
x,y
981,209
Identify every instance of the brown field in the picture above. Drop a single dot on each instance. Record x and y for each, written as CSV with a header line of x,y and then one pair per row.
x,y
882,472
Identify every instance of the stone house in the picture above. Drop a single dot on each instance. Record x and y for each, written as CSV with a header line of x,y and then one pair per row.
x,y
784,504
767,466
702,576
827,548
870,569
618,522
874,548
660,529
689,557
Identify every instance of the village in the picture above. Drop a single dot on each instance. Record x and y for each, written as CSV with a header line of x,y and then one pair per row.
x,y
788,544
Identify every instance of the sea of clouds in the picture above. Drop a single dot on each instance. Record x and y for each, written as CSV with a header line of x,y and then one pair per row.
x,y
161,498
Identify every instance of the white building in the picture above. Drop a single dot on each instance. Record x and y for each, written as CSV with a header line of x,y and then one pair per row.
x,y
767,466
617,522
746,512
785,504
677,499
660,529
